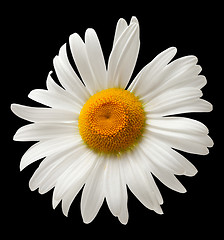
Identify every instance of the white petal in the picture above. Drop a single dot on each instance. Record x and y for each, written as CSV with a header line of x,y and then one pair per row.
x,y
178,124
168,179
178,74
73,190
166,157
190,169
35,114
179,77
75,172
60,92
52,86
55,202
171,97
123,57
140,183
70,195
123,215
187,80
51,168
178,137
41,172
47,147
195,105
79,53
145,80
54,100
68,77
162,174
160,155
115,188
60,167
134,20
96,58
121,26
42,131
93,192
178,101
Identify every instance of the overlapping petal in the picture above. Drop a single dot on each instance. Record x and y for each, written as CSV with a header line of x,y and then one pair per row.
x,y
93,192
68,78
47,147
141,183
43,131
181,133
124,54
115,187
89,60
36,114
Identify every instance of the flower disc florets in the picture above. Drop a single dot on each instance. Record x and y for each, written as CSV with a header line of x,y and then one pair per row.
x,y
112,121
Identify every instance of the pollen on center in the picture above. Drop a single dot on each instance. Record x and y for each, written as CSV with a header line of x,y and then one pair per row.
x,y
112,121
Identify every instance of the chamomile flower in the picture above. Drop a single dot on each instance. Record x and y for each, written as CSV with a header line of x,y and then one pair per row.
x,y
98,135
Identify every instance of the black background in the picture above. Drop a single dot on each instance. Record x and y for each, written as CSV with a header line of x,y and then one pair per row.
x,y
33,35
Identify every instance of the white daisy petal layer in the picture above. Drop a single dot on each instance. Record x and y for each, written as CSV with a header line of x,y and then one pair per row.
x,y
68,78
140,182
45,177
121,27
42,131
73,177
161,156
180,73
123,215
47,147
181,133
55,100
115,188
58,91
123,57
35,114
164,156
145,80
178,101
77,184
89,60
96,58
166,177
93,192
52,86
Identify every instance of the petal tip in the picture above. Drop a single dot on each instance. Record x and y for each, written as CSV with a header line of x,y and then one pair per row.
x,y
173,49
31,94
184,190
86,221
21,167
55,203
134,20
12,107
15,137
65,212
32,186
211,107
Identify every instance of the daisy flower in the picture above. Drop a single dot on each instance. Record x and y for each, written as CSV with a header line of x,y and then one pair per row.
x,y
100,136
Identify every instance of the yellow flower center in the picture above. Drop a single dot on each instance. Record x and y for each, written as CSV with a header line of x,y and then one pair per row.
x,y
112,121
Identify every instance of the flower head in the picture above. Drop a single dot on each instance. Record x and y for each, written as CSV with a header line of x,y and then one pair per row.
x,y
97,133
